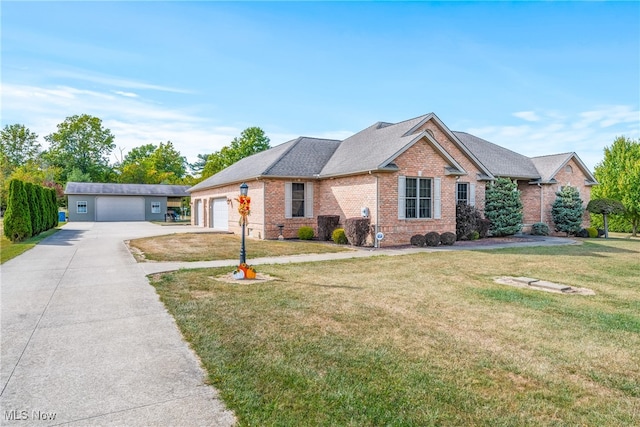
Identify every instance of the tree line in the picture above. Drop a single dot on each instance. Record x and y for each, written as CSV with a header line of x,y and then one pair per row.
x,y
81,148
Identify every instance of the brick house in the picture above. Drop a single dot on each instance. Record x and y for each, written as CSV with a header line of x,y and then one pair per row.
x,y
406,177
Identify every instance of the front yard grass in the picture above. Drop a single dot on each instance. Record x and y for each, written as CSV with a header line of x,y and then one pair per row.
x,y
10,250
217,246
423,339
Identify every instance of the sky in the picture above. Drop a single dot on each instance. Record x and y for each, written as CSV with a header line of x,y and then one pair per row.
x,y
535,77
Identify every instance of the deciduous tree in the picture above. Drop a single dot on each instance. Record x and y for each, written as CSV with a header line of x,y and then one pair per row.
x,y
251,141
81,143
619,178
18,145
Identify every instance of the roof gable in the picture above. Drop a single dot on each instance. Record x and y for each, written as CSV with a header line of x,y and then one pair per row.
x,y
549,166
376,147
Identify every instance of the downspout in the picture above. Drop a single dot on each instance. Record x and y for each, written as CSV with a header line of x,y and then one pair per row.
x,y
376,243
541,203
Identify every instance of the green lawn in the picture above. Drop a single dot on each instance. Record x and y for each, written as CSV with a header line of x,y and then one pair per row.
x,y
9,250
424,339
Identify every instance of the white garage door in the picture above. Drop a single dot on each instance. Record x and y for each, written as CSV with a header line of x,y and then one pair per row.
x,y
120,208
220,216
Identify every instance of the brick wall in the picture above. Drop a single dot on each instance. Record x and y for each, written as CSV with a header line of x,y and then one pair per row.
x,y
533,196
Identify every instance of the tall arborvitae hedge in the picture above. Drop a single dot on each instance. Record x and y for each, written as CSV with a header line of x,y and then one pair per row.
x,y
54,207
17,218
43,207
32,197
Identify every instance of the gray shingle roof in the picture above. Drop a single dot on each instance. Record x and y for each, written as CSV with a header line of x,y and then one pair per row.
x,y
375,148
499,160
91,188
301,157
370,148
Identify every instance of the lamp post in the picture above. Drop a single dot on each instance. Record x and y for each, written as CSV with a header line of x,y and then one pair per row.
x,y
244,190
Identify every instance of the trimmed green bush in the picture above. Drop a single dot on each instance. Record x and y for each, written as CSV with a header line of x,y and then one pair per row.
x,y
593,232
540,229
432,238
54,208
17,218
305,233
339,237
447,238
418,240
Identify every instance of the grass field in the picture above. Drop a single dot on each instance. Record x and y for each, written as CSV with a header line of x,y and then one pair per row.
x,y
424,339
215,246
9,250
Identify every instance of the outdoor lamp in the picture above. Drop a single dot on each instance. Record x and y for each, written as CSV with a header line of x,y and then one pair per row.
x,y
244,190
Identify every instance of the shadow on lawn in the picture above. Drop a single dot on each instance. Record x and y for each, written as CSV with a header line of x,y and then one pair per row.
x,y
588,248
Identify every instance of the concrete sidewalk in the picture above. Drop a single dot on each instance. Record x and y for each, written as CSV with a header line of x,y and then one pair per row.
x,y
86,341
530,241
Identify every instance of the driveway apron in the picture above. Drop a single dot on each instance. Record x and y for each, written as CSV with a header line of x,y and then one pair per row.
x,y
86,340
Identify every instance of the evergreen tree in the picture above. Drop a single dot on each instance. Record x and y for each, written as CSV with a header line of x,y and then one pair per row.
x,y
43,207
503,207
567,210
32,198
54,207
17,219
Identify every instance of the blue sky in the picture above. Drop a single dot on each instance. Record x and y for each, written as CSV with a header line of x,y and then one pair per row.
x,y
536,77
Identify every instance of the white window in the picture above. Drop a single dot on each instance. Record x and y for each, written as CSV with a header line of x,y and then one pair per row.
x,y
462,193
298,199
466,193
155,207
419,198
81,207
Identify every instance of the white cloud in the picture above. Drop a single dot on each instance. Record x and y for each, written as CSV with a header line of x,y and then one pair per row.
x,y
587,133
127,94
529,116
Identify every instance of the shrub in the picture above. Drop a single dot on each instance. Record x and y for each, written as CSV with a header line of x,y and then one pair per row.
x,y
593,232
600,232
34,207
448,238
418,240
339,237
469,220
432,238
305,233
326,225
484,225
356,230
540,229
567,210
503,207
474,235
582,233
17,218
466,220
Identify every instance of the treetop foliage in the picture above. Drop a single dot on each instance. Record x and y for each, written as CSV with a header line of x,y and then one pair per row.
x,y
251,141
619,179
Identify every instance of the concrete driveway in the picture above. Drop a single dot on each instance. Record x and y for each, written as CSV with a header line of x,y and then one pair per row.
x,y
86,341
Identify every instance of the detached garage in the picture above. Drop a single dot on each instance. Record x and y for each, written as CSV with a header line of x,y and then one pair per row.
x,y
89,201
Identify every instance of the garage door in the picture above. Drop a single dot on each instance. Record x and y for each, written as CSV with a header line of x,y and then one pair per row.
x,y
220,216
120,209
